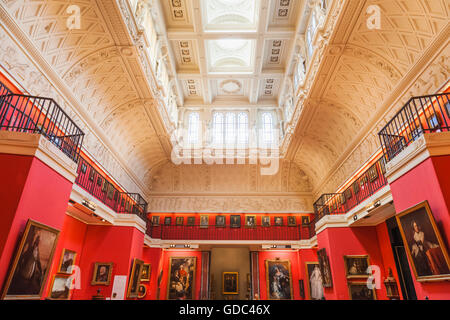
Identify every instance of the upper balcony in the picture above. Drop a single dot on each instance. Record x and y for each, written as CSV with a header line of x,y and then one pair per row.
x,y
304,231
98,185
425,114
30,114
366,185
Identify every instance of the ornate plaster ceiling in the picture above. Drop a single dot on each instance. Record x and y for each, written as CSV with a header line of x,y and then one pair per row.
x,y
360,70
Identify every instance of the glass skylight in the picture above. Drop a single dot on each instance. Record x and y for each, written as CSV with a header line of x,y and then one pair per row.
x,y
230,15
231,55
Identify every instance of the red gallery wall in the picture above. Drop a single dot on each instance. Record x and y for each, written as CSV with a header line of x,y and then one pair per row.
x,y
292,256
34,191
350,241
119,245
304,256
152,256
165,266
430,181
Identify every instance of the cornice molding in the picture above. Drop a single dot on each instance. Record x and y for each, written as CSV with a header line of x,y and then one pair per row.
x,y
36,145
426,146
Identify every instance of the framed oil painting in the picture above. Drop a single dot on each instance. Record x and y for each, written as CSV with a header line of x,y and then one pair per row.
x,y
278,221
356,266
181,278
305,221
32,261
250,221
135,278
146,271
61,287
142,292
204,221
292,221
220,221
235,221
279,280
230,283
191,221
179,221
314,281
67,261
167,221
155,221
423,243
325,270
360,291
265,221
102,274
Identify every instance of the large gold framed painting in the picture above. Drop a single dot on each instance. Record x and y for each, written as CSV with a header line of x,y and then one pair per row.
x,y
181,278
279,280
32,261
424,246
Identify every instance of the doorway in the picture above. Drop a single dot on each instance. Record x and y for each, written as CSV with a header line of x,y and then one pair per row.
x,y
401,260
235,263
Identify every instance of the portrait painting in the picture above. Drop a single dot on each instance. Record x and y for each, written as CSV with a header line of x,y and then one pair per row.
x,y
167,221
67,261
142,292
31,263
278,280
325,269
220,221
61,287
356,266
155,221
102,273
181,278
179,221
204,221
360,291
191,221
265,221
250,221
230,283
146,270
305,221
135,278
423,243
292,221
278,221
314,281
235,221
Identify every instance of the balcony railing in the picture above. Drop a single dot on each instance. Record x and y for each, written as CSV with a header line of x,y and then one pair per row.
x,y
97,185
213,232
372,180
21,113
425,114
4,90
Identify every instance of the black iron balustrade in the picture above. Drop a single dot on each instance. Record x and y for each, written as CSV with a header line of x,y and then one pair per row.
x,y
4,89
424,114
367,184
213,232
97,185
21,113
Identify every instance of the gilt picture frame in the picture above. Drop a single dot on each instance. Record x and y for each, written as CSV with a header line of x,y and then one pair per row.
x,y
426,251
28,274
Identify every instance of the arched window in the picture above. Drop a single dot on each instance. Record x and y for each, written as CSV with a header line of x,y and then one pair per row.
x,y
242,128
267,128
194,127
230,129
218,126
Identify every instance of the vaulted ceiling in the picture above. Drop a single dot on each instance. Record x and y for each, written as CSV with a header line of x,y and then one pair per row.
x,y
357,71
